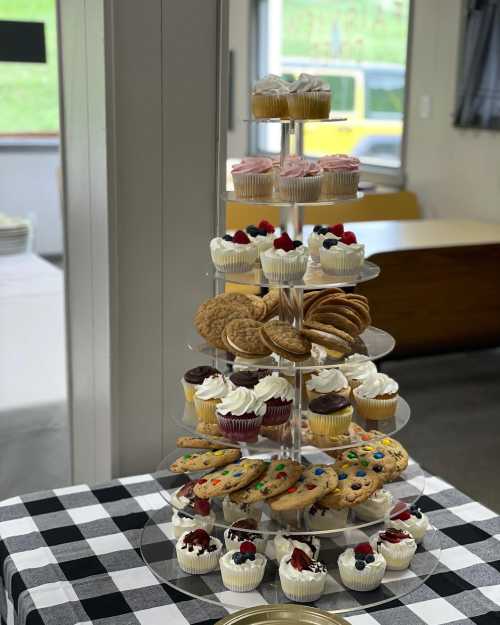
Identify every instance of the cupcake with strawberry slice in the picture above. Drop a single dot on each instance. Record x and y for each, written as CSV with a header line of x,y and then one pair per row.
x,y
262,235
396,546
411,520
302,578
285,261
233,253
342,257
322,233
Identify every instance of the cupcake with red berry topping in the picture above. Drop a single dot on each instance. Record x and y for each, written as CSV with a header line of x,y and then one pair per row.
x,y
300,181
262,235
322,233
253,178
235,510
284,544
361,568
302,578
342,257
201,517
340,176
240,415
242,569
376,507
285,261
233,253
243,531
413,521
183,496
198,552
396,546
277,394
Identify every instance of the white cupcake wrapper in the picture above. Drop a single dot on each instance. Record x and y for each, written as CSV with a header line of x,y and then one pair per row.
x,y
232,512
304,189
243,580
278,269
253,186
339,263
237,262
397,556
371,408
190,563
339,184
363,581
303,591
310,105
332,519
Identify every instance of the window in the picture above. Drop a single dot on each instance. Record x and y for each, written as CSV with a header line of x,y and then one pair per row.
x,y
359,48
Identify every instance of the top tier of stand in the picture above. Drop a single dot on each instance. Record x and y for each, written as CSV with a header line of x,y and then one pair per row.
x,y
279,120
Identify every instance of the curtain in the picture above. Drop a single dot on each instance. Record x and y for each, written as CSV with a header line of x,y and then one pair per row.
x,y
479,87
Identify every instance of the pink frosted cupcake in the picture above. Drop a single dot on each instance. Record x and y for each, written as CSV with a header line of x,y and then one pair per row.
x,y
240,415
277,395
253,178
300,181
340,176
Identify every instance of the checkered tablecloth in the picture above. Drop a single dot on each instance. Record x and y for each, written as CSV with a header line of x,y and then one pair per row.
x,y
71,557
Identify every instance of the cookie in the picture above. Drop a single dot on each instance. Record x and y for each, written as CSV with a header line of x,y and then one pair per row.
x,y
232,477
212,317
285,340
242,338
355,485
279,475
329,329
394,448
325,441
208,460
193,442
337,321
209,429
330,341
315,482
369,457
258,305
271,300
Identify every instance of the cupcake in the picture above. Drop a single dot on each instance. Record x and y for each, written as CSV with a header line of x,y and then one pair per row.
x,y
233,253
234,511
235,535
286,260
202,518
269,97
253,178
344,257
340,176
357,368
302,578
248,378
309,98
242,569
284,544
197,552
361,568
208,395
377,397
318,517
327,381
396,546
413,521
239,415
321,233
194,377
262,236
183,496
376,507
329,414
277,394
300,181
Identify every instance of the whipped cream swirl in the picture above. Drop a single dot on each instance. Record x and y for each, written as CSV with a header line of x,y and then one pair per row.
x,y
357,367
271,85
327,381
274,387
241,401
377,384
214,387
307,83
253,165
228,247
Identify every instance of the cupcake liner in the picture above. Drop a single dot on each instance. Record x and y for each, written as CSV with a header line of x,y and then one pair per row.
x,y
269,106
397,556
235,262
303,189
206,410
340,263
189,390
375,409
345,392
276,415
240,429
329,424
301,590
367,579
234,512
339,184
244,579
278,269
253,186
197,522
190,563
332,519
310,105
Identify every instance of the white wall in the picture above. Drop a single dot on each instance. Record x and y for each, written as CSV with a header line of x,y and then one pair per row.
x,y
455,173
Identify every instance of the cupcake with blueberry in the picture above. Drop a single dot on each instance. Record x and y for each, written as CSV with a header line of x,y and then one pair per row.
x,y
377,397
361,568
322,233
233,253
284,544
248,378
329,414
198,552
342,257
376,507
242,531
300,181
269,98
208,396
285,261
253,178
413,521
201,517
262,235
327,381
239,415
277,395
340,176
357,368
302,578
194,377
242,569
317,517
309,98
234,511
396,546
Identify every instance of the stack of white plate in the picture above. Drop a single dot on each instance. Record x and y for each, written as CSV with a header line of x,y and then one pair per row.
x,y
14,234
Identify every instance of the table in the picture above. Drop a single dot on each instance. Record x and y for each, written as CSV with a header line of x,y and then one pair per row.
x,y
70,556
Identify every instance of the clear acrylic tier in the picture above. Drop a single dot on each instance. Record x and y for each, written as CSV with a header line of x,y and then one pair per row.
x,y
230,196
288,122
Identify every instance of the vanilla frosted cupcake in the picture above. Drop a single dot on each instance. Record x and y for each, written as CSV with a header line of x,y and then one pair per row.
x,y
309,98
233,253
277,394
242,569
329,414
262,235
194,377
284,544
235,535
321,233
208,395
396,546
253,178
340,176
357,368
269,97
302,578
327,381
234,511
197,552
318,517
286,260
239,415
202,518
300,181
343,257
361,568
413,521
377,397
376,507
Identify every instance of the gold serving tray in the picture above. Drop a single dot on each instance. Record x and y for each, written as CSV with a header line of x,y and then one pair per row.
x,y
282,614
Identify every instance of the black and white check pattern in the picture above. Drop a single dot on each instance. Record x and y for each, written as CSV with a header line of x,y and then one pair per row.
x,y
71,557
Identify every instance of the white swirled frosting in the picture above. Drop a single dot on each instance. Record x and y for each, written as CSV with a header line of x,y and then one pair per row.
x,y
307,83
292,255
214,387
357,367
274,387
327,381
228,247
376,385
241,401
271,85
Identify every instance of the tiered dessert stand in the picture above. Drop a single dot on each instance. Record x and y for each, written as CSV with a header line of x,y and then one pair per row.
x,y
158,541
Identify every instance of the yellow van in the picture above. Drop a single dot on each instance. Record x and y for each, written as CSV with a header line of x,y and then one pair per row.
x,y
371,96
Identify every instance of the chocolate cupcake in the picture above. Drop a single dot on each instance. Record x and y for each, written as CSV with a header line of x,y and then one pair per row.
x,y
330,414
194,377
